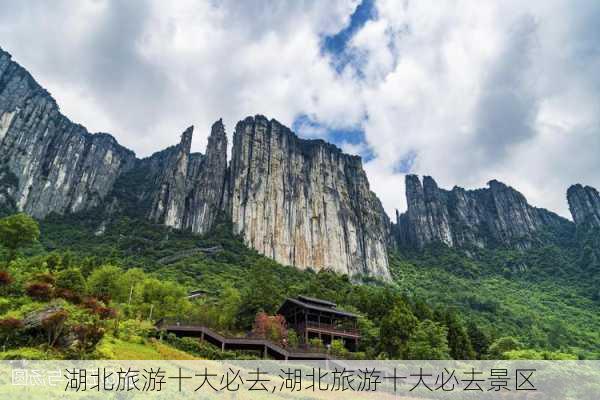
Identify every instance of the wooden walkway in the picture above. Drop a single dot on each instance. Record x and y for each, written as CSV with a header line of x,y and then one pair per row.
x,y
267,347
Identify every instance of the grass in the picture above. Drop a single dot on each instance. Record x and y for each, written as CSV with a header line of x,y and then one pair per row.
x,y
117,349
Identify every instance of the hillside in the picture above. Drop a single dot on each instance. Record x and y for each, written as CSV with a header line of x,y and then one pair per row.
x,y
496,303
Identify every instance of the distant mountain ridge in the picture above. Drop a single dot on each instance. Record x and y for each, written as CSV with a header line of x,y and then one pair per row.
x,y
301,202
494,216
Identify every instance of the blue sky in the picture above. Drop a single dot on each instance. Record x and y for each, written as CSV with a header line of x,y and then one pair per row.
x,y
463,91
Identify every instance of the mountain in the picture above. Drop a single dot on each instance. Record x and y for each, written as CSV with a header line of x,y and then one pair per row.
x,y
50,164
495,216
584,203
177,188
302,203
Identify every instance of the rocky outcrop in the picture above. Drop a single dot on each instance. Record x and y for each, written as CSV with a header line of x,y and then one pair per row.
x,y
177,188
584,204
207,177
496,216
304,202
54,164
168,203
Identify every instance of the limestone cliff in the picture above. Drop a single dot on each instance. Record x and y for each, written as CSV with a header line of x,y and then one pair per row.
x,y
177,188
584,203
495,216
304,202
54,165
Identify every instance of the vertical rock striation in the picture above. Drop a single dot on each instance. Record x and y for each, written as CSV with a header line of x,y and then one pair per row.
x,y
207,182
55,165
177,188
496,216
584,204
171,178
304,202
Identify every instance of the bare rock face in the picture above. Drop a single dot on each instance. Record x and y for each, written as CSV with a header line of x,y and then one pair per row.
x,y
304,203
206,179
52,164
169,201
177,188
584,204
497,215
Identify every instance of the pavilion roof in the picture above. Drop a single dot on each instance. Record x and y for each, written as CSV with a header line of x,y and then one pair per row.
x,y
313,306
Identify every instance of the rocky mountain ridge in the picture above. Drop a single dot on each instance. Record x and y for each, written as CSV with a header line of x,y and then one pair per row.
x,y
50,164
496,216
584,204
301,202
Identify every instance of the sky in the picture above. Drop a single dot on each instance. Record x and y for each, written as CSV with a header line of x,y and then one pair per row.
x,y
464,91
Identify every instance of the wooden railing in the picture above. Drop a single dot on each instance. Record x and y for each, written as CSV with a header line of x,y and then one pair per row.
x,y
332,328
176,324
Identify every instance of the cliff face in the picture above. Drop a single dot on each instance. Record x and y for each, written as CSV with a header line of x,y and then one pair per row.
x,y
304,203
584,203
54,165
177,188
497,215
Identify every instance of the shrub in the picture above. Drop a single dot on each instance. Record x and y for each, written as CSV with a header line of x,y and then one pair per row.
x,y
316,343
338,348
5,278
91,303
134,330
200,348
44,277
272,327
39,291
71,279
88,336
105,312
504,345
9,328
68,295
293,340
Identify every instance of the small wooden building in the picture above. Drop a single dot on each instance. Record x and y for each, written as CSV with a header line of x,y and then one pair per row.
x,y
316,318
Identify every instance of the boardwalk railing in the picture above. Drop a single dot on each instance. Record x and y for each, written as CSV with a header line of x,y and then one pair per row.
x,y
187,328
335,329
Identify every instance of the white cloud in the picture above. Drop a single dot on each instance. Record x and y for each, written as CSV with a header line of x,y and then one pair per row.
x,y
473,90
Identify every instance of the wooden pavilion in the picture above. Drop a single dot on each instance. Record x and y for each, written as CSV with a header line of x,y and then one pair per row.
x,y
316,318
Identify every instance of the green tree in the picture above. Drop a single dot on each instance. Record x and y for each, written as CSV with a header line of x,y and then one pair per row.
x,y
396,328
71,279
17,231
504,345
230,303
107,281
262,293
458,339
428,342
337,348
479,339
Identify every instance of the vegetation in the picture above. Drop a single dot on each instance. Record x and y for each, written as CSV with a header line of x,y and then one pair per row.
x,y
85,292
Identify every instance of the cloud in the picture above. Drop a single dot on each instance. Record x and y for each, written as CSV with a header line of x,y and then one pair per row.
x,y
463,91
